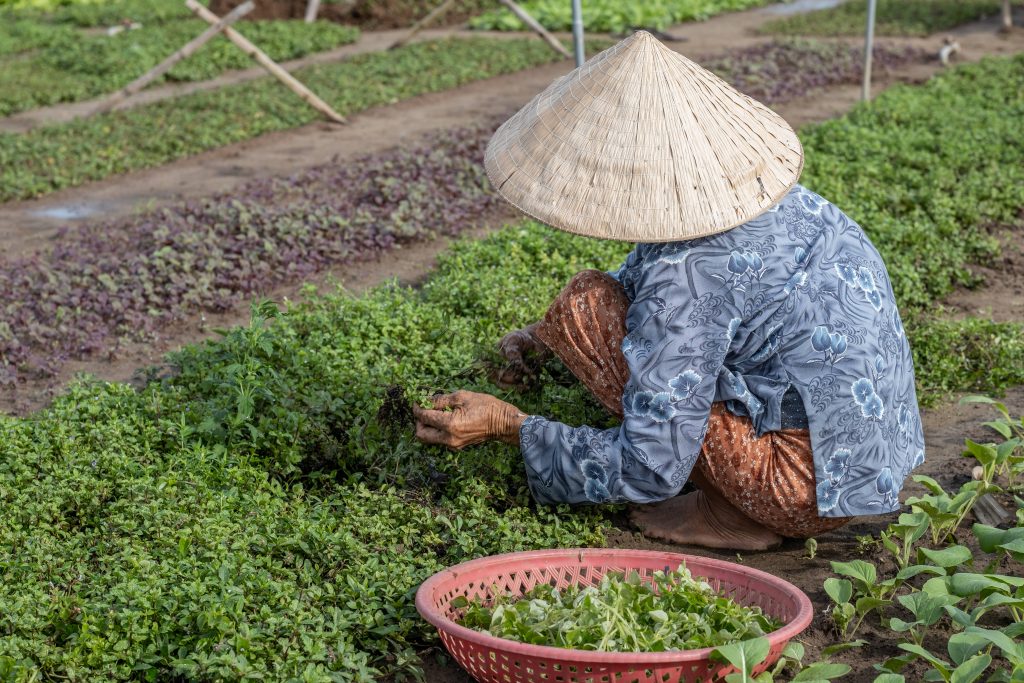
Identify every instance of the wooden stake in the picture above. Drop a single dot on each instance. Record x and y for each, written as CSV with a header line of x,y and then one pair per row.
x,y
535,25
311,9
166,65
267,63
423,23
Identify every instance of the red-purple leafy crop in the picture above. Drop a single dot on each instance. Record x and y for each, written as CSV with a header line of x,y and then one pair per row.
x,y
128,277
786,69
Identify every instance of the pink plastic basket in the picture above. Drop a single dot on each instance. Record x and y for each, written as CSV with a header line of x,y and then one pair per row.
x,y
496,660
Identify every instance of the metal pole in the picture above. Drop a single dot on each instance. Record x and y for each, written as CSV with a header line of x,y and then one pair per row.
x,y
577,32
869,44
311,10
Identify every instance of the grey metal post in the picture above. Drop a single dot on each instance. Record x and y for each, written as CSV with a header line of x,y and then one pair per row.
x,y
577,31
869,44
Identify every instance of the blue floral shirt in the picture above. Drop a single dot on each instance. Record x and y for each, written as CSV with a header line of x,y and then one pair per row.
x,y
797,297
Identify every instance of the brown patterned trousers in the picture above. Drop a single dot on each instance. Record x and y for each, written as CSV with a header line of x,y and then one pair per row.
x,y
769,478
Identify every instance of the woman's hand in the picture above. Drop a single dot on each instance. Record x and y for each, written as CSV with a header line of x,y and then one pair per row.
x,y
524,353
466,418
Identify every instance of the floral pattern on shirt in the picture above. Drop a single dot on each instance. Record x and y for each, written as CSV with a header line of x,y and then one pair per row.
x,y
795,297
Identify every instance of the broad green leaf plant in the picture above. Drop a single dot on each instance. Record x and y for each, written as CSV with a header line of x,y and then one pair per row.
x,y
935,585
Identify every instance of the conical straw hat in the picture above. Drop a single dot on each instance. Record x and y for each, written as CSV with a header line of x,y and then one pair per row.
x,y
641,144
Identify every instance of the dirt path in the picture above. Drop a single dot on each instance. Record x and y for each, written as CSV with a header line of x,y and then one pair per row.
x,y
1002,299
369,41
384,128
25,225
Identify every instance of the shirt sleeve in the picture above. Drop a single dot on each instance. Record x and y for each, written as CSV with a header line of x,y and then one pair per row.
x,y
675,346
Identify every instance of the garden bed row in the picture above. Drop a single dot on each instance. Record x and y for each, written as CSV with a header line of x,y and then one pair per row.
x,y
368,14
611,15
892,18
92,14
262,507
69,154
107,280
75,67
46,58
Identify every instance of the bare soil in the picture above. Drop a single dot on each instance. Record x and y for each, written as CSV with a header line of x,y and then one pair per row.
x,y
1002,297
26,225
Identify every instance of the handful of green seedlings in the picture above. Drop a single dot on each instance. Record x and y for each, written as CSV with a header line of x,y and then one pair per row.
x,y
675,611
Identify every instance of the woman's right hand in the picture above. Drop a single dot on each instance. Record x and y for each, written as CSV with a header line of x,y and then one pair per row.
x,y
524,353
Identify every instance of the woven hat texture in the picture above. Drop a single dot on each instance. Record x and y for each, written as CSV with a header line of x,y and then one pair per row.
x,y
643,145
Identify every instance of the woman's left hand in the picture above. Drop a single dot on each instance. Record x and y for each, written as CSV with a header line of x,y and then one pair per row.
x,y
466,418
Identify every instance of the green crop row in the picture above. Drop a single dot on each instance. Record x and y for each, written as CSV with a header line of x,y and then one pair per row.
x,y
926,170
169,534
39,24
892,18
20,35
263,509
94,13
75,67
65,155
937,585
611,15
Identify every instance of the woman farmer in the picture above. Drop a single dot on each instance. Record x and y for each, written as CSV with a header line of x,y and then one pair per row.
x,y
750,343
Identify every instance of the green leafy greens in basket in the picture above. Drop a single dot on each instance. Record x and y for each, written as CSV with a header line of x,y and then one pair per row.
x,y
674,611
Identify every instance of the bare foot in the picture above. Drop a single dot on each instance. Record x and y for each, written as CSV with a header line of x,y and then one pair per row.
x,y
699,519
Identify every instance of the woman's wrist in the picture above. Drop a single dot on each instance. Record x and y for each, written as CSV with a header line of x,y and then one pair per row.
x,y
510,421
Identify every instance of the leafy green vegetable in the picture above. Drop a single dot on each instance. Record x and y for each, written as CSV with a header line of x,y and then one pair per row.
x,y
611,15
673,611
69,154
74,66
19,35
893,18
94,13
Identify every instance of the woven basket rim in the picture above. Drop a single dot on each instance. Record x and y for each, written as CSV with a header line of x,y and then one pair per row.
x,y
425,606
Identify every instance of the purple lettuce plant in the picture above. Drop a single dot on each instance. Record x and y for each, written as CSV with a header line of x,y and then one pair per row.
x,y
127,278
783,70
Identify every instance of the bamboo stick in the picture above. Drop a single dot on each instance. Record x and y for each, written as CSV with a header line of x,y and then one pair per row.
x,y
163,67
423,23
311,10
535,25
267,63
